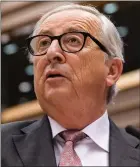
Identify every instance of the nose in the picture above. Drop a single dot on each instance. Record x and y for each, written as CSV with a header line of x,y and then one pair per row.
x,y
55,53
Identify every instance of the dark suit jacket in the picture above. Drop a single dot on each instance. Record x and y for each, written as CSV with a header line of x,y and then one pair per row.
x,y
29,143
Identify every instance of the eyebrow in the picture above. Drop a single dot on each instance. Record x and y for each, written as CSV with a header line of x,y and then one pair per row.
x,y
69,29
74,29
43,32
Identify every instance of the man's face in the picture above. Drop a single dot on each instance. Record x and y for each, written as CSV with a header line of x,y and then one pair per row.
x,y
84,72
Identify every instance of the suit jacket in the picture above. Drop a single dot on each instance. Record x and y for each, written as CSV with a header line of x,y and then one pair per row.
x,y
29,143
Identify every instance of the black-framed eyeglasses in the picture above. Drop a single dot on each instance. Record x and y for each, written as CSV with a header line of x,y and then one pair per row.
x,y
70,42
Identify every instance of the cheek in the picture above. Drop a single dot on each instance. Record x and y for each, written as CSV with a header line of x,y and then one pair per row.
x,y
93,68
39,66
87,66
74,61
39,69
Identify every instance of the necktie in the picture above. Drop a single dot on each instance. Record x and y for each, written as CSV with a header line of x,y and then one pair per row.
x,y
69,156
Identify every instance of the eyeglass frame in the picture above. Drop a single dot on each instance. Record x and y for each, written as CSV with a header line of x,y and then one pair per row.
x,y
85,34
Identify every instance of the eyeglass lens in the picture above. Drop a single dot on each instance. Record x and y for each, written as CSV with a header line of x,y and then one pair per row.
x,y
70,42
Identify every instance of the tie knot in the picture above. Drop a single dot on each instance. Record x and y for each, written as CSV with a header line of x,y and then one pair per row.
x,y
72,135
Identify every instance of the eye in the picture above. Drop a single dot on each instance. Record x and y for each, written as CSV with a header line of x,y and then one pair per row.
x,y
44,42
73,41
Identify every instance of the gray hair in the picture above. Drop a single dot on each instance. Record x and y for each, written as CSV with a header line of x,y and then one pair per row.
x,y
110,37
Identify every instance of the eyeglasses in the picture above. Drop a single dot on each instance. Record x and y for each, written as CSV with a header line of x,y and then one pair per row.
x,y
70,42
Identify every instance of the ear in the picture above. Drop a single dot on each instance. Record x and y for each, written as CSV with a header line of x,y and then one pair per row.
x,y
115,67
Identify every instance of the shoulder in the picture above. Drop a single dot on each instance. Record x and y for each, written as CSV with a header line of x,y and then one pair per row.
x,y
9,129
7,132
125,135
130,138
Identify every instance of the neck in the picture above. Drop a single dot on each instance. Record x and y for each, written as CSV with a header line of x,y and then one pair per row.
x,y
73,115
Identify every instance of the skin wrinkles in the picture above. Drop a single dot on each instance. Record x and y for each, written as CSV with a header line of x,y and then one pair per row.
x,y
74,84
79,100
79,77
41,66
78,23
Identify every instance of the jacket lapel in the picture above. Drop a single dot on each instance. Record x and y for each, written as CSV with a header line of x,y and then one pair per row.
x,y
35,144
122,153
35,147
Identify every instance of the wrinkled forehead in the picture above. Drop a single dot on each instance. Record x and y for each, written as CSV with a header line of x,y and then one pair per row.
x,y
70,20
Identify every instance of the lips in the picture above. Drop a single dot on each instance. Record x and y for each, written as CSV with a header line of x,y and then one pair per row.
x,y
54,74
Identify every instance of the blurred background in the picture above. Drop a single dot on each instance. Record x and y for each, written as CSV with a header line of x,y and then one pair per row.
x,y
17,90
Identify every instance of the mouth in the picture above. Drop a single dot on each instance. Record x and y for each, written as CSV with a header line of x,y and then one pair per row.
x,y
54,75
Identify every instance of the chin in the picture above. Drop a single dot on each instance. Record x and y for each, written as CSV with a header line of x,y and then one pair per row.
x,y
70,123
76,126
60,93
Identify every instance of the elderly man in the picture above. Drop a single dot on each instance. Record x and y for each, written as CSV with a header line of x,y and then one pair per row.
x,y
77,57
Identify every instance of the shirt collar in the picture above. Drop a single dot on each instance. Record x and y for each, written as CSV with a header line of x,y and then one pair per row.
x,y
56,127
98,130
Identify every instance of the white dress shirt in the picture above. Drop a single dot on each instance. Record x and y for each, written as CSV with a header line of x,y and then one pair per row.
x,y
94,149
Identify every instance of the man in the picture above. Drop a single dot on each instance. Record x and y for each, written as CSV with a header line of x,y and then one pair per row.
x,y
77,57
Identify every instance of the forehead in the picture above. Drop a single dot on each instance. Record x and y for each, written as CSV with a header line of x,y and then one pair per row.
x,y
70,20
